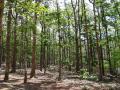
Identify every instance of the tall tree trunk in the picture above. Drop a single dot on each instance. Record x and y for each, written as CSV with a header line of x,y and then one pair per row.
x,y
104,23
6,78
34,45
101,51
97,41
80,40
41,57
76,38
44,47
1,17
42,50
89,58
48,49
60,38
68,35
34,51
15,47
25,44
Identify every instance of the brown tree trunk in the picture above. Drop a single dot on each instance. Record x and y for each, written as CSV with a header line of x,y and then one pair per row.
x,y
48,49
15,47
76,38
34,51
80,40
60,38
6,78
34,45
97,41
25,73
1,17
41,57
104,23
101,51
68,35
87,37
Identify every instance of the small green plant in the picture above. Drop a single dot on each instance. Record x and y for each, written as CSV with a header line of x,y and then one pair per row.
x,y
93,77
85,73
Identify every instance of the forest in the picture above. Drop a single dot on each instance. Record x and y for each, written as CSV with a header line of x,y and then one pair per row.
x,y
60,44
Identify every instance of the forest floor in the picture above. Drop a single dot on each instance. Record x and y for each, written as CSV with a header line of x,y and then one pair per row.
x,y
49,81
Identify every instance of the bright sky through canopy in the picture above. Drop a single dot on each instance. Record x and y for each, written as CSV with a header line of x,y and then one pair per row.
x,y
61,3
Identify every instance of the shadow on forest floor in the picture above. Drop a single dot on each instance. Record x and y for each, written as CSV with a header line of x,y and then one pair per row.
x,y
51,86
34,86
49,81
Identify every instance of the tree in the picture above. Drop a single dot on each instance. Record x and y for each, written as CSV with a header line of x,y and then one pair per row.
x,y
34,46
8,36
89,54
76,36
104,23
15,43
97,41
1,26
60,38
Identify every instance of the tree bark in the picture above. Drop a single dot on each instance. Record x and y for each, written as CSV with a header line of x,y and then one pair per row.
x,y
76,38
104,23
15,47
60,38
97,41
6,78
34,45
1,26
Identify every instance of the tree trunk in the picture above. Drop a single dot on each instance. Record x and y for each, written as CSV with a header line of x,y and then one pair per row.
x,y
34,45
1,17
6,78
104,23
101,51
60,38
97,42
89,58
15,47
76,38
34,51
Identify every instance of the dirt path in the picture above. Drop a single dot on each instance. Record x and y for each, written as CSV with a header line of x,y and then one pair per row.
x,y
49,82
